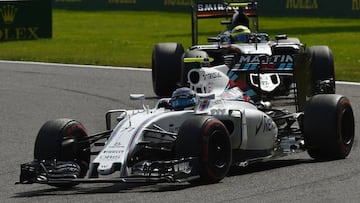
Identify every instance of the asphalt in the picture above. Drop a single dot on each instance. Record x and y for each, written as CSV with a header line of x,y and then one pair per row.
x,y
32,93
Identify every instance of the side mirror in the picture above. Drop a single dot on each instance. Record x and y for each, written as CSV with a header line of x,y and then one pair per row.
x,y
279,37
140,97
137,97
213,39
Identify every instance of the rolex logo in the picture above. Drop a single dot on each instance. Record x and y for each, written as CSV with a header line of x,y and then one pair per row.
x,y
8,13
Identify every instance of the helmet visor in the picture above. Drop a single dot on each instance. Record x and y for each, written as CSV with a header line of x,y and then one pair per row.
x,y
241,38
183,102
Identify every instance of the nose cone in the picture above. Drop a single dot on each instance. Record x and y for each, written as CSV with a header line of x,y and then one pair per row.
x,y
108,168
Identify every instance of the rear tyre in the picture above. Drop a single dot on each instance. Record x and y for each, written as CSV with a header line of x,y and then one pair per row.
x,y
329,127
166,67
59,140
321,70
206,139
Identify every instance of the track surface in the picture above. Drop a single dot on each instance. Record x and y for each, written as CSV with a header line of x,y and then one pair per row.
x,y
34,93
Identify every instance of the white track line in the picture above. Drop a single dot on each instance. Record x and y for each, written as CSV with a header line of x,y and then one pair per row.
x,y
347,83
73,65
113,67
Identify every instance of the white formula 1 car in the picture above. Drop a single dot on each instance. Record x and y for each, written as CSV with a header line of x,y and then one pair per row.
x,y
190,136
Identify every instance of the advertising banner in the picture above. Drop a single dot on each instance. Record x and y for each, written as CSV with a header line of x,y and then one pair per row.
x,y
310,8
25,20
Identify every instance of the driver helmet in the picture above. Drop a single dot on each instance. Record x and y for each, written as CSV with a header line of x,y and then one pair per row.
x,y
183,98
240,34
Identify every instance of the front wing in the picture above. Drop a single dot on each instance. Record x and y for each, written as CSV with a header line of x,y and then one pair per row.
x,y
67,173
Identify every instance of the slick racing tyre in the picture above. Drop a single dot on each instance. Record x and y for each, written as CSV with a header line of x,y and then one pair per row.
x,y
62,140
322,74
207,140
329,127
166,67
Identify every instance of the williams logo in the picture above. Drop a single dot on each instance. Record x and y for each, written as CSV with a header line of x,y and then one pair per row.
x,y
8,13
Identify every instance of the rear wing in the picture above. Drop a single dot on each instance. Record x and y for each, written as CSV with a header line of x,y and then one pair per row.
x,y
222,10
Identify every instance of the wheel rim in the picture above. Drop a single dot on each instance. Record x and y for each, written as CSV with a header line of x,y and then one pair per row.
x,y
218,150
346,126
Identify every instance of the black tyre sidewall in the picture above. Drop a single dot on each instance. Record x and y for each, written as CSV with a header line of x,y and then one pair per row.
x,y
321,67
197,138
48,144
329,127
166,67
215,134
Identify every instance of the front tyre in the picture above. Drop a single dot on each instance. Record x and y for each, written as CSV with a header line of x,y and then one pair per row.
x,y
206,139
63,140
329,127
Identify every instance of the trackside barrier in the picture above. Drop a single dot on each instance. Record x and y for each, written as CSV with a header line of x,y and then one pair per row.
x,y
25,19
310,8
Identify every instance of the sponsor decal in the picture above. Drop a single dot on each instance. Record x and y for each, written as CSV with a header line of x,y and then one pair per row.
x,y
177,2
117,145
218,111
214,9
211,7
203,105
211,76
8,14
184,167
272,59
302,4
275,62
122,1
111,154
355,5
19,33
265,125
68,1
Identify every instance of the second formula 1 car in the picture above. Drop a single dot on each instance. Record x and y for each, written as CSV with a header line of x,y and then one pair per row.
x,y
244,50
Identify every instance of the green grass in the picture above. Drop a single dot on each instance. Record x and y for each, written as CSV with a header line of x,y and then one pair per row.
x,y
126,38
